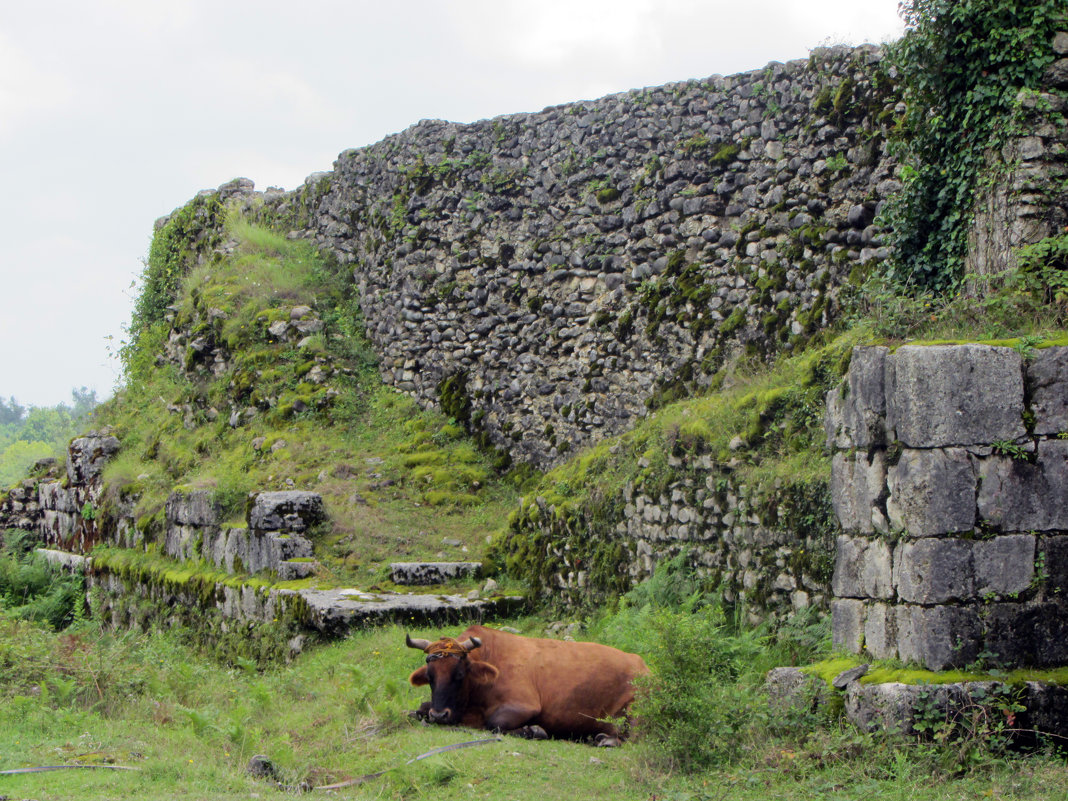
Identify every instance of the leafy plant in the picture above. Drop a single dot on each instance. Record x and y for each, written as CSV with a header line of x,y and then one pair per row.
x,y
961,64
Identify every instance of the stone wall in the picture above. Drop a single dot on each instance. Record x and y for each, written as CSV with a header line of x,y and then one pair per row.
x,y
949,479
562,267
766,547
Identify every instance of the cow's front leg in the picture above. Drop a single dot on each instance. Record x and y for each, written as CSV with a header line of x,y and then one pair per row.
x,y
423,712
515,719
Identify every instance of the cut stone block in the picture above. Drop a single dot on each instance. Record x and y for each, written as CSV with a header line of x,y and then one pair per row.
x,y
931,571
291,510
1048,377
1016,495
938,637
426,573
944,395
932,492
1004,565
192,508
880,632
847,624
856,487
1027,634
862,568
858,418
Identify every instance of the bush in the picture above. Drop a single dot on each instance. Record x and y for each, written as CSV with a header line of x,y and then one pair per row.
x,y
31,590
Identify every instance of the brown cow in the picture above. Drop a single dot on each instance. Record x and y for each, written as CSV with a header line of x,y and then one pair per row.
x,y
530,687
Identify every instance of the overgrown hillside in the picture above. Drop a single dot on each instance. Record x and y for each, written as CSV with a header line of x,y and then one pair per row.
x,y
248,371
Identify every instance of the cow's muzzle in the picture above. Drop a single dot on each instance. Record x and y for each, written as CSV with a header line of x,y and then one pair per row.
x,y
440,716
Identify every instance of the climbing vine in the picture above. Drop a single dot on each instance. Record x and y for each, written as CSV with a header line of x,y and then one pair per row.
x,y
961,63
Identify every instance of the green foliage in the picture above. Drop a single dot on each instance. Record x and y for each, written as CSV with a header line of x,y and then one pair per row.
x,y
189,234
962,63
31,590
27,435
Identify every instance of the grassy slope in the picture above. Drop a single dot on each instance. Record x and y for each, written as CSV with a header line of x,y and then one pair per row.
x,y
397,480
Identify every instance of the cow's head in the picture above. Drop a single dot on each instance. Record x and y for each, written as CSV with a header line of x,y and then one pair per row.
x,y
451,675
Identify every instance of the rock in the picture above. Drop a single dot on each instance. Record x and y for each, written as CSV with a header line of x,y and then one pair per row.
x,y
940,396
856,487
1048,380
932,492
288,510
862,569
847,677
87,456
1016,495
261,767
427,573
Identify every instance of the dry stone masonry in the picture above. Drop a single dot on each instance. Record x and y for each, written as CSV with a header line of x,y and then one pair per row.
x,y
543,276
950,481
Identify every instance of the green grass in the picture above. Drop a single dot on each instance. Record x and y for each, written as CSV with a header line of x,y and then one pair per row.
x,y
397,481
338,712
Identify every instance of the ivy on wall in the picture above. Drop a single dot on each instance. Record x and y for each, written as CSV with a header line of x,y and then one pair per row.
x,y
961,64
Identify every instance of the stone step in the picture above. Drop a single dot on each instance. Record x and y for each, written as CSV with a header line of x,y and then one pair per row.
x,y
411,574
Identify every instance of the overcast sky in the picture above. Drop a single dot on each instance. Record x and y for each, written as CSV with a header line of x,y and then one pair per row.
x,y
114,112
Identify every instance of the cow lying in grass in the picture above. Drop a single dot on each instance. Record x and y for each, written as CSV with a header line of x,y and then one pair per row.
x,y
526,686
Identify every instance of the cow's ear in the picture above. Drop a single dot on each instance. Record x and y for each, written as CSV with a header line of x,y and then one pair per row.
x,y
482,673
419,677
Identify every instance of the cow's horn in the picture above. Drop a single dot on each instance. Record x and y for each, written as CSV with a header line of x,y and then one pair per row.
x,y
471,644
422,645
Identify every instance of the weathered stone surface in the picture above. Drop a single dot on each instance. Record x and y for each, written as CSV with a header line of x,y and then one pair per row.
x,y
931,492
1004,565
857,410
1047,375
426,573
192,508
1055,565
893,707
790,690
862,568
1028,634
880,631
948,395
290,510
847,624
1016,495
87,456
856,487
938,637
334,612
931,571
1056,74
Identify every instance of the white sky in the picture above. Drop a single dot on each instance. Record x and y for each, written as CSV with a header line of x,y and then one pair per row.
x,y
114,112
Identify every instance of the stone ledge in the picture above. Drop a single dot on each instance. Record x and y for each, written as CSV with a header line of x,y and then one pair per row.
x,y
426,573
897,707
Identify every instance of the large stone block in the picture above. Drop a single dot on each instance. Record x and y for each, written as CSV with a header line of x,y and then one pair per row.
x,y
862,568
938,637
1027,634
943,395
192,508
1054,573
932,492
1004,565
847,624
880,632
857,410
856,487
87,456
291,510
1016,495
1048,378
931,571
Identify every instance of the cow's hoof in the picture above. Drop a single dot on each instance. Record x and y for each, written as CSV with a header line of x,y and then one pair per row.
x,y
604,740
532,732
